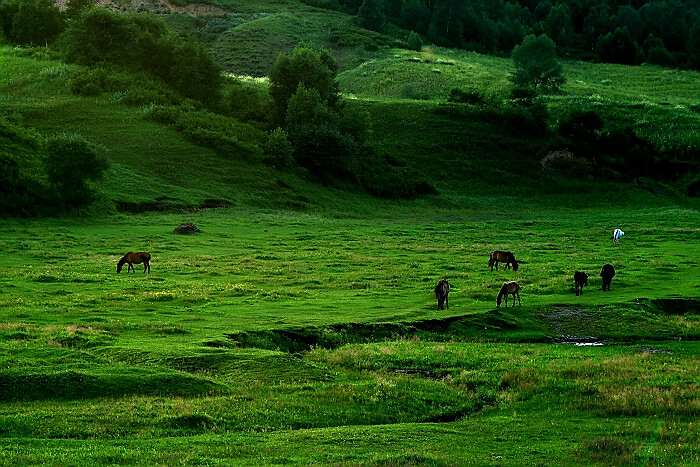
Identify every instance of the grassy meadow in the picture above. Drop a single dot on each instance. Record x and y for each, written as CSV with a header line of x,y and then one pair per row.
x,y
300,325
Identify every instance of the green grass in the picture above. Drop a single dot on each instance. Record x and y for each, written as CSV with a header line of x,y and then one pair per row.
x,y
94,356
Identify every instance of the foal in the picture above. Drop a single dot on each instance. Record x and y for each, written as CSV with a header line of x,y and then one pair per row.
x,y
135,258
509,288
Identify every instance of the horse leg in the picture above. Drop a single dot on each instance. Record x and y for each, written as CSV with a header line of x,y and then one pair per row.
x,y
130,268
519,302
447,302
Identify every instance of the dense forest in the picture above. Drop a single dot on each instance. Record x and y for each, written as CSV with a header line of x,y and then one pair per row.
x,y
662,32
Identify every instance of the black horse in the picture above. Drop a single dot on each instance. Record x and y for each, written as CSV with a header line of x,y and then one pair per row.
x,y
580,279
442,289
607,272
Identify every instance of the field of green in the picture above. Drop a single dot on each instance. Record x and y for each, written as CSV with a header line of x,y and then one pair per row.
x,y
300,326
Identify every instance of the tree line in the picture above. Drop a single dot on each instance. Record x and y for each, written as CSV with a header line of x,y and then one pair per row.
x,y
660,32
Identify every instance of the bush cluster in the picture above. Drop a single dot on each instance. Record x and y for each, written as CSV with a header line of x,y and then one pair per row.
x,y
607,146
136,88
142,43
212,130
41,176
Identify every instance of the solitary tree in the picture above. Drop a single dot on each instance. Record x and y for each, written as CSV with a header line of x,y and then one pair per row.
x,y
536,64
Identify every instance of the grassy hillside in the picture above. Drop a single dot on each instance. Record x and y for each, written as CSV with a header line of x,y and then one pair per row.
x,y
300,325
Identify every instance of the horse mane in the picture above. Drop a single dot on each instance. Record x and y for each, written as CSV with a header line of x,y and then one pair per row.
x,y
503,291
123,260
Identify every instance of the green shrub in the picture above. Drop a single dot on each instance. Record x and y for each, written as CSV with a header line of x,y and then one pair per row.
x,y
137,88
414,41
225,134
246,101
72,162
474,97
30,22
142,43
385,177
278,150
22,190
325,151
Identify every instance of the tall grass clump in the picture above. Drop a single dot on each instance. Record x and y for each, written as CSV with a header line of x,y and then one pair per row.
x,y
225,134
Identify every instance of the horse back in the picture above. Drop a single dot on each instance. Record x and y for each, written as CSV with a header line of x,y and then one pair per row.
x,y
442,288
502,256
607,271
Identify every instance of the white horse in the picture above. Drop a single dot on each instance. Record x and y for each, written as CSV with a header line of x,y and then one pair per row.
x,y
617,234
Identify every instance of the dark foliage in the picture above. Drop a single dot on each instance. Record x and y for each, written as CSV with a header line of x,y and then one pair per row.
x,y
577,27
314,69
474,97
370,15
71,163
536,64
140,42
21,190
385,177
30,22
621,150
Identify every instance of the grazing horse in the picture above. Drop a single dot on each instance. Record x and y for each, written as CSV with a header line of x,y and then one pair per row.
x,y
580,279
607,272
509,288
442,289
617,234
503,257
135,258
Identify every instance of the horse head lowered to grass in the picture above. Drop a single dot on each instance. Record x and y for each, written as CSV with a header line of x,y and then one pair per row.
x,y
508,288
503,257
135,258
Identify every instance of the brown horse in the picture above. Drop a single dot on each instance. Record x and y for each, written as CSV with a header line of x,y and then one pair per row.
x,y
135,258
503,257
509,288
607,272
580,279
442,289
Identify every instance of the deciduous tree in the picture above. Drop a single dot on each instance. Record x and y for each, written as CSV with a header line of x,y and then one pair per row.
x,y
536,64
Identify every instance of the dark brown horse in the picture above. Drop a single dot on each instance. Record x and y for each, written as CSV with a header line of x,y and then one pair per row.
x,y
509,288
580,279
503,257
607,272
442,289
135,258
